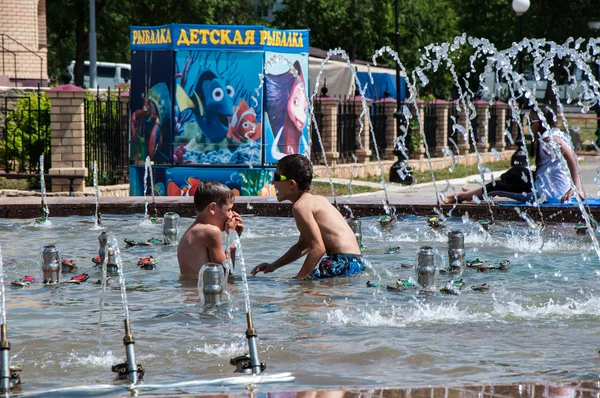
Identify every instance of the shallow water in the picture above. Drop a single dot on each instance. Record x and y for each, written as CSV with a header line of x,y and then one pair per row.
x,y
537,322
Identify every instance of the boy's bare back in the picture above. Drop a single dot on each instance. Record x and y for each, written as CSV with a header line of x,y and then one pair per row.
x,y
196,248
334,230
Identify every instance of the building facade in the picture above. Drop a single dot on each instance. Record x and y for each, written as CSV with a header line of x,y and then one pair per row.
x,y
23,43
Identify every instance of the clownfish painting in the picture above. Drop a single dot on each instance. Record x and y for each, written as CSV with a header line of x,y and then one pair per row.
x,y
185,190
242,124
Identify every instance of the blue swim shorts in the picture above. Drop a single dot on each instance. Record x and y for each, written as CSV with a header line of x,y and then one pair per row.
x,y
339,265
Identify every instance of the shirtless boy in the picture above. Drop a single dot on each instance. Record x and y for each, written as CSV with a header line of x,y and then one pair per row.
x,y
322,228
201,243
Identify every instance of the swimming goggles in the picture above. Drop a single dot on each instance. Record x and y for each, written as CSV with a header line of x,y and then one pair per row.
x,y
279,177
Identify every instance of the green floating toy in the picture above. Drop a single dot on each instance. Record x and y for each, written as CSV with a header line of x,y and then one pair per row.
x,y
393,250
385,220
404,282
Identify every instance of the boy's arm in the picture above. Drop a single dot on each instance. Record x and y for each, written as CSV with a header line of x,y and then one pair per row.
x,y
309,230
294,253
214,246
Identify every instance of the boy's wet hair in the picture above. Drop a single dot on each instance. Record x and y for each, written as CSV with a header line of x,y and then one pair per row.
x,y
297,168
212,191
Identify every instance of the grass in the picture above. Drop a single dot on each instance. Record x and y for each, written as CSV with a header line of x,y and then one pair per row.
x,y
459,171
21,185
324,189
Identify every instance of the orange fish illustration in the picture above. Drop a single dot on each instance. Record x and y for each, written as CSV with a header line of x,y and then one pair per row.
x,y
185,190
242,124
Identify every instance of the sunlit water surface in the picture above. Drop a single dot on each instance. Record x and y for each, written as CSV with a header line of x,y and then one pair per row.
x,y
539,321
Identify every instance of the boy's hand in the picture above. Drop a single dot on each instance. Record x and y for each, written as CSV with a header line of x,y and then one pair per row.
x,y
239,226
264,267
236,223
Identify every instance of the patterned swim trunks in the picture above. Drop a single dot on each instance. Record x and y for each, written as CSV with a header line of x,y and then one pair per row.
x,y
339,265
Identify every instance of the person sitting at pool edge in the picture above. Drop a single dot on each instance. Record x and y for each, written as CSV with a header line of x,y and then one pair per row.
x,y
202,242
551,178
322,228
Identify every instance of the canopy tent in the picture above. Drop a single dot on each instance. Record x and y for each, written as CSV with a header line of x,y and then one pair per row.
x,y
339,79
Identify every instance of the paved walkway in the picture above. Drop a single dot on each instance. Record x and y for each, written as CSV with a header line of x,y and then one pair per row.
x,y
426,193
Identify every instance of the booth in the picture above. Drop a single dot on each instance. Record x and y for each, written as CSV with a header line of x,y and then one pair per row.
x,y
220,103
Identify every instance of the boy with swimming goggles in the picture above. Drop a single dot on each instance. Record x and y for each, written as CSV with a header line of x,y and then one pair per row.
x,y
325,238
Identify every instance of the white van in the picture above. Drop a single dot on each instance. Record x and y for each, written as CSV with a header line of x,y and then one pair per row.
x,y
108,74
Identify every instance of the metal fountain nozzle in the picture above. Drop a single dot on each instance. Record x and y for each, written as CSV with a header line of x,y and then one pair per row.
x,y
102,240
170,227
456,250
111,263
355,225
426,269
51,264
129,370
212,283
10,376
249,363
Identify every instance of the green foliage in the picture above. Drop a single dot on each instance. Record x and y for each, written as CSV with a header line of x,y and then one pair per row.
x,y
68,22
27,135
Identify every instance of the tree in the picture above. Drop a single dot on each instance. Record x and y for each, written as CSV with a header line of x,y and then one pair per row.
x,y
68,25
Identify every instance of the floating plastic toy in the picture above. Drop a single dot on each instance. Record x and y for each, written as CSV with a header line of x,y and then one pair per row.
x,y
435,222
68,265
147,263
481,288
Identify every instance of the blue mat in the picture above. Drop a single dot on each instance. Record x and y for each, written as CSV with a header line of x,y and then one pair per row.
x,y
523,199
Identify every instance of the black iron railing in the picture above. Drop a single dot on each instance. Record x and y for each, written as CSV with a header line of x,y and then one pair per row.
x,y
430,125
106,137
316,152
379,121
346,130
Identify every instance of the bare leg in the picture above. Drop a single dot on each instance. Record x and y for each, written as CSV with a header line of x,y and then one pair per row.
x,y
464,196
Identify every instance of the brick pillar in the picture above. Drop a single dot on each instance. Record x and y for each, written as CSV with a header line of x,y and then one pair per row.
x,y
483,122
67,144
329,108
390,128
419,153
362,155
441,122
501,108
461,142
514,128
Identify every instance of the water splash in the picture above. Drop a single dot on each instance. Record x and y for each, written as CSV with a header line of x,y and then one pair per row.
x,y
97,197
45,208
2,291
119,260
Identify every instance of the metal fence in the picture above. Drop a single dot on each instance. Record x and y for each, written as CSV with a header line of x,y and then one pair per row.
x,y
106,137
379,121
453,117
346,130
24,133
316,152
430,125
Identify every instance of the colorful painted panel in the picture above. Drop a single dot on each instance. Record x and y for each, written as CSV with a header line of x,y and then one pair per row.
x,y
286,113
183,181
218,109
151,106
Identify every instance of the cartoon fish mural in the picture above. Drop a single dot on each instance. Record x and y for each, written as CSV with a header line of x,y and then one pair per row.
x,y
185,190
211,103
242,124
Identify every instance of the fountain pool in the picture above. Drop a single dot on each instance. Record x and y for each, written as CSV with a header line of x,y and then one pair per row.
x,y
537,322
